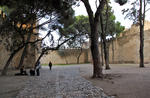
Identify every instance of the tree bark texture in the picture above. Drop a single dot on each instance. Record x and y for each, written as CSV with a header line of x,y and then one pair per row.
x,y
4,71
113,55
106,47
106,55
94,20
142,19
41,55
104,44
102,56
78,57
97,66
24,51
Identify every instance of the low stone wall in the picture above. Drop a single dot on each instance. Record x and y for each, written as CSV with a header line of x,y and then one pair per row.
x,y
69,57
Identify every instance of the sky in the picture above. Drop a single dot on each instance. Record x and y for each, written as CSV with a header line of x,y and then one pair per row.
x,y
115,7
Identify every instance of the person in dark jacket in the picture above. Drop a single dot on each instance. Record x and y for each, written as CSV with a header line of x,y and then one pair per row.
x,y
50,65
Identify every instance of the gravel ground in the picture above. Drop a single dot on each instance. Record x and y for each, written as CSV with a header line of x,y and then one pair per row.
x,y
61,82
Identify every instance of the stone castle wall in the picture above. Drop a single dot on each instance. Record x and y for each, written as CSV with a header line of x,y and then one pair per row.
x,y
70,58
4,54
126,49
29,60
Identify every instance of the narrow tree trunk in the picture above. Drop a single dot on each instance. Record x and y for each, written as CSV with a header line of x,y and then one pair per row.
x,y
113,55
41,55
141,49
78,57
65,58
106,56
104,44
142,19
22,57
86,56
102,56
24,51
106,47
78,60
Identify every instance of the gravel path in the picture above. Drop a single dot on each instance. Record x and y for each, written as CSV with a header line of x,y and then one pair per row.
x,y
61,82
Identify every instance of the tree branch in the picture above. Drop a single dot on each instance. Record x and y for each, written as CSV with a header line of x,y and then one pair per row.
x,y
89,9
99,9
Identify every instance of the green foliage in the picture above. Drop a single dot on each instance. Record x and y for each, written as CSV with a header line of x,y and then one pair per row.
x,y
80,28
82,24
118,28
113,27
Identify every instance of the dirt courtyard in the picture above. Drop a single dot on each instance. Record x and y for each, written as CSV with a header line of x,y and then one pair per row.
x,y
125,81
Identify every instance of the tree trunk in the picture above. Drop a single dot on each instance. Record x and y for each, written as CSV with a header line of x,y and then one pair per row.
x,y
106,55
102,56
78,60
22,57
86,56
41,55
94,20
113,55
4,71
142,19
104,44
106,50
65,58
141,48
24,51
78,57
97,70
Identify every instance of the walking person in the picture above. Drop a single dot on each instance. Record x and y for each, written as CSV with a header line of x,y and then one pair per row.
x,y
50,65
37,68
